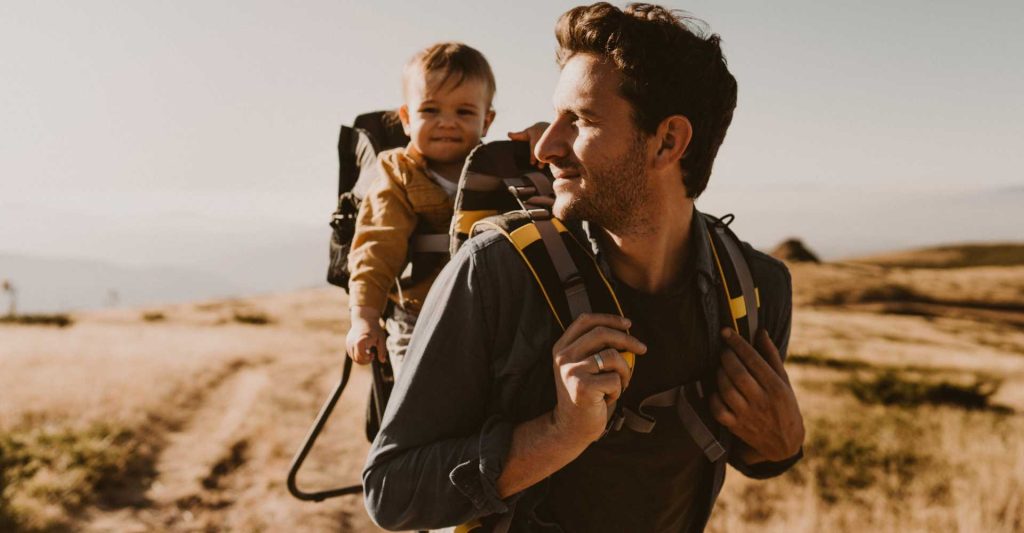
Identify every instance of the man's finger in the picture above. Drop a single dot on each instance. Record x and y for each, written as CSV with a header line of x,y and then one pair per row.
x,y
721,413
595,386
771,353
740,376
762,372
729,394
598,339
585,323
613,361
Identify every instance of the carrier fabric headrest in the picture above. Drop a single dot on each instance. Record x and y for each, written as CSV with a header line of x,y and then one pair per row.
x,y
483,186
384,129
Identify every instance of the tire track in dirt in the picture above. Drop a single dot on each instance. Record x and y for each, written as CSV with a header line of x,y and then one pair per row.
x,y
210,445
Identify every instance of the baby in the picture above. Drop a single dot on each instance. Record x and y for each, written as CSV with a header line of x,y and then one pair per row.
x,y
448,89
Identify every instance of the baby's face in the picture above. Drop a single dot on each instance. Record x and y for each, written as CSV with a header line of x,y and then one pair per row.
x,y
445,123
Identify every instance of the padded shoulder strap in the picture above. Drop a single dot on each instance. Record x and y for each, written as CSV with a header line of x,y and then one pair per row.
x,y
565,272
742,298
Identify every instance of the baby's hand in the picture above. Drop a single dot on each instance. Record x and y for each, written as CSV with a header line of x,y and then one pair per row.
x,y
362,338
531,134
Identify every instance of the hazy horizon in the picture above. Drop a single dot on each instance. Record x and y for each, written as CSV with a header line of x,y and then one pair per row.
x,y
201,135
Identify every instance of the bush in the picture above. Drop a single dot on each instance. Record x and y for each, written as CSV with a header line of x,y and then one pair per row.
x,y
889,388
255,318
58,320
862,294
850,456
153,316
69,468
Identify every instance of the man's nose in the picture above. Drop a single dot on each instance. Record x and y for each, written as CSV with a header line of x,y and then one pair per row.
x,y
554,143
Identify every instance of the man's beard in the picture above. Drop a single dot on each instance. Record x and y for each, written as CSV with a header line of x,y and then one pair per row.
x,y
616,195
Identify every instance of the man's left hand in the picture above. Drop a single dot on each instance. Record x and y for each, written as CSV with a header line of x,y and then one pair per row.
x,y
755,400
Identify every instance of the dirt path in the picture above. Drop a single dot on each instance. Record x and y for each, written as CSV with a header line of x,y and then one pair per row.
x,y
212,445
224,469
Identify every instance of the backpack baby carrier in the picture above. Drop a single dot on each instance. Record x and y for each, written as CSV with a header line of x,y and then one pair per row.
x,y
358,148
501,190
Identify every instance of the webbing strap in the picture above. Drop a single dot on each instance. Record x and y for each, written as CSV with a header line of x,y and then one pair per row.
x,y
430,243
478,181
572,282
739,263
643,422
712,449
541,182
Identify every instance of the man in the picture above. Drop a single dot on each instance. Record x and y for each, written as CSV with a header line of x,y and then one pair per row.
x,y
501,414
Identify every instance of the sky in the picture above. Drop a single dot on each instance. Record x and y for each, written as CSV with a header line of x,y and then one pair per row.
x,y
190,133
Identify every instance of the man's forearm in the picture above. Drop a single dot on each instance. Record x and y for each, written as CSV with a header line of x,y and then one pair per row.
x,y
538,449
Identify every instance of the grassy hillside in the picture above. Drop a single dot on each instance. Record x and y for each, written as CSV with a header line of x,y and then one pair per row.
x,y
953,256
185,417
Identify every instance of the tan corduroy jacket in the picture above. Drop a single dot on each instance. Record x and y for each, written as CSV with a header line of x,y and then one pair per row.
x,y
402,201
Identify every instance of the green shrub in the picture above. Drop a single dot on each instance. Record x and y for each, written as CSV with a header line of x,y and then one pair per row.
x,y
70,468
850,456
255,318
153,316
889,388
58,320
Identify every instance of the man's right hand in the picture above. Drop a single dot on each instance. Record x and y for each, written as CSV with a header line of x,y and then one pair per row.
x,y
364,336
586,393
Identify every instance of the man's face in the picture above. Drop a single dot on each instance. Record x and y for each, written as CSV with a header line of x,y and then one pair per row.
x,y
596,153
445,122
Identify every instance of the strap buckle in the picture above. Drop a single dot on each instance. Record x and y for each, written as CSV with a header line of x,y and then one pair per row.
x,y
614,422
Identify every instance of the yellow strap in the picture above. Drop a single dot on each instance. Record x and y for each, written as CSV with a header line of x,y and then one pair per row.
x,y
725,284
528,264
468,526
738,308
464,220
524,236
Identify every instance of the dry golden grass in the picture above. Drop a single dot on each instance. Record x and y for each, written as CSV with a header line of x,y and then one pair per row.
x,y
212,409
186,417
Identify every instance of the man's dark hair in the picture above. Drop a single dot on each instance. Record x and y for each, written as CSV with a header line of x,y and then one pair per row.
x,y
670,66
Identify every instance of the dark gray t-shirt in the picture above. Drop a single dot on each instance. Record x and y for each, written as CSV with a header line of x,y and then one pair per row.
x,y
655,480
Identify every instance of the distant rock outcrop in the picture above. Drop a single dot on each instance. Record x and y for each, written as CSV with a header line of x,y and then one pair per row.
x,y
794,251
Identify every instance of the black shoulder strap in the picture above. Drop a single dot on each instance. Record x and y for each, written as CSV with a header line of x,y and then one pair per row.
x,y
741,296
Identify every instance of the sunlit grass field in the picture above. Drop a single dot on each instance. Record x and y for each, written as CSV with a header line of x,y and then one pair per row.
x,y
185,417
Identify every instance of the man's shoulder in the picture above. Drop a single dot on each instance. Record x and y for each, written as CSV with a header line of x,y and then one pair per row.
x,y
490,247
771,276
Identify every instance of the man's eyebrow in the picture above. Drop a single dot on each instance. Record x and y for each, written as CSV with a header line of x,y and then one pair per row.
x,y
584,112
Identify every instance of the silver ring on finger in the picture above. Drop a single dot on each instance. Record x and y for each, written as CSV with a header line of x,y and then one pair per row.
x,y
600,362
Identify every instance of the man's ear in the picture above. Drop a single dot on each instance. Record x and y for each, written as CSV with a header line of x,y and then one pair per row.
x,y
673,136
403,115
488,119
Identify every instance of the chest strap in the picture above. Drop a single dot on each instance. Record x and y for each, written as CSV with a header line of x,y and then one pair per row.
x,y
743,302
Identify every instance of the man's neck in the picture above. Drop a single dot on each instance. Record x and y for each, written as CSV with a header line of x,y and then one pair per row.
x,y
652,260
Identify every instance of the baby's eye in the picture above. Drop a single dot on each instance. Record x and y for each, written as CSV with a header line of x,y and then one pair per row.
x,y
467,112
428,110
